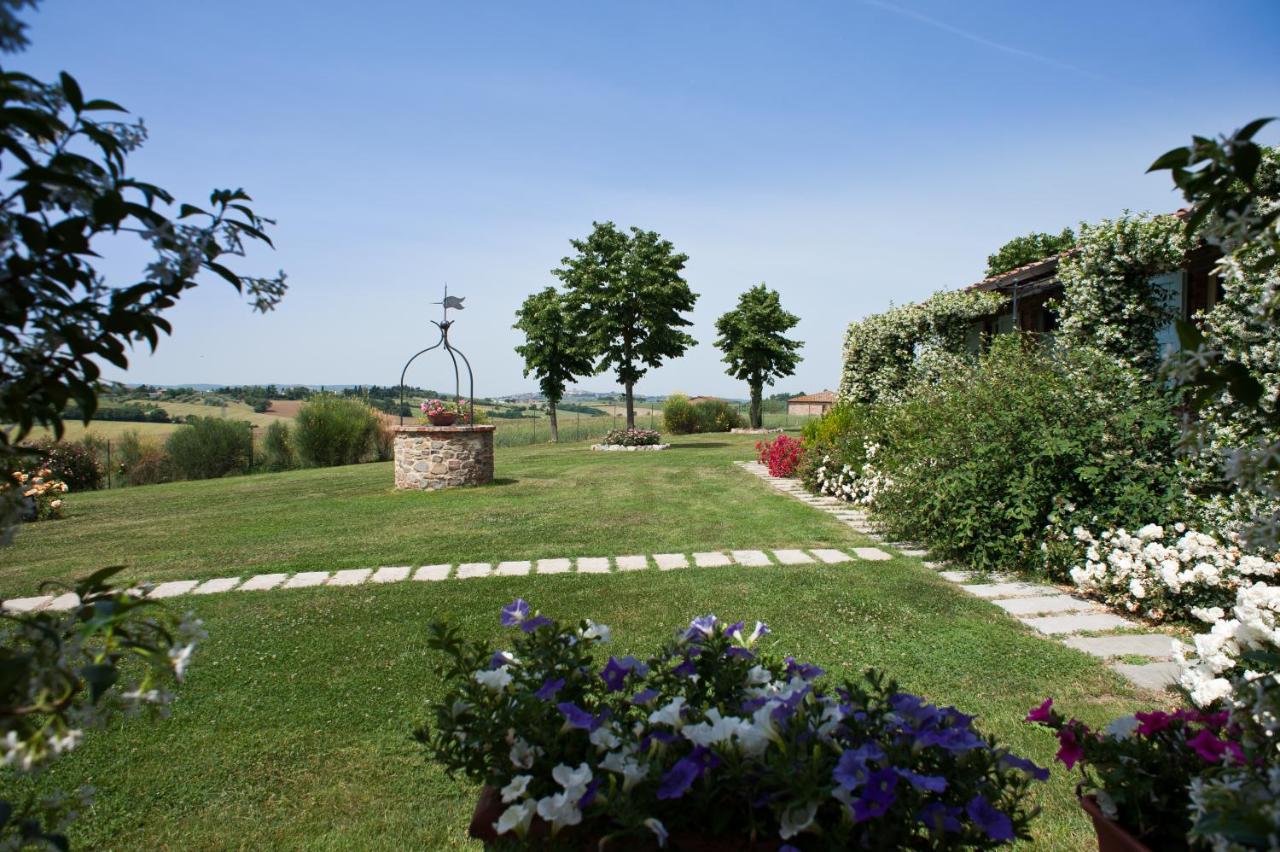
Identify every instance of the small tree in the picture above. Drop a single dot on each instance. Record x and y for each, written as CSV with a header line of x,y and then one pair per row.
x,y
625,299
551,351
1020,251
751,337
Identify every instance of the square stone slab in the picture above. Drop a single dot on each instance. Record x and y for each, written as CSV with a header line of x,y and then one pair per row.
x,y
593,565
306,579
670,561
65,602
467,570
1155,645
711,560
956,577
792,557
754,558
213,587
262,582
1054,624
913,552
28,604
1045,604
350,577
830,556
872,554
391,574
1153,676
631,563
173,588
1010,590
555,566
514,569
431,573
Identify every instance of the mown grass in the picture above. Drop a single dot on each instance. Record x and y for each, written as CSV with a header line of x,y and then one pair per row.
x,y
293,730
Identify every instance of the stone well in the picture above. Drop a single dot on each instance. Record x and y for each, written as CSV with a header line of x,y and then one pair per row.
x,y
429,457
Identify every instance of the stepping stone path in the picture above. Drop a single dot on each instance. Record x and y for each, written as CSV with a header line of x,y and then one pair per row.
x,y
1043,607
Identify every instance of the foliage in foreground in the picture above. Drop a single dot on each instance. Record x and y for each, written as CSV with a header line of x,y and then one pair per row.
x,y
712,736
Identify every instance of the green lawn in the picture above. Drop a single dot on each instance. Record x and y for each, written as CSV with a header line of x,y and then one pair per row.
x,y
293,729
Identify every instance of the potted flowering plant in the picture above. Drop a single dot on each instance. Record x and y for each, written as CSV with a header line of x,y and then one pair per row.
x,y
1136,772
441,413
711,743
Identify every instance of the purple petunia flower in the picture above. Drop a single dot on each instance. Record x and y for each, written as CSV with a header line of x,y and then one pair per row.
x,y
685,669
807,671
534,623
735,651
579,718
930,783
995,824
951,739
614,675
515,612
1027,766
702,627
500,659
851,770
939,818
644,696
686,770
878,794
590,796
549,688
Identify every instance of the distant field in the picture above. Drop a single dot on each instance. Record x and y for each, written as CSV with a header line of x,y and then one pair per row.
x,y
113,429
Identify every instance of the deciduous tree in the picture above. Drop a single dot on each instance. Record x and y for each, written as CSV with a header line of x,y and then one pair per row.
x,y
552,352
752,337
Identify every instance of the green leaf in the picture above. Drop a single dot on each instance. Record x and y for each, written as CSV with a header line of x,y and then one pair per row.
x,y
1247,132
71,90
100,677
1175,159
103,105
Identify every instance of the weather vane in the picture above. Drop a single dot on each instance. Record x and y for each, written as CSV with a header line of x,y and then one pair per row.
x,y
446,304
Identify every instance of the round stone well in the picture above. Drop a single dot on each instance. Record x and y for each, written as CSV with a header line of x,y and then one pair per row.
x,y
430,457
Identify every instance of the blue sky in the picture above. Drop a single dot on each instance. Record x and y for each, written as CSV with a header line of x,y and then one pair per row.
x,y
851,154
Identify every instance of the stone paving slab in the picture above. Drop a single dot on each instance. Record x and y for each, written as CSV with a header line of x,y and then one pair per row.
x,y
262,582
830,556
913,552
1154,676
306,580
871,554
956,577
1045,604
28,604
64,602
714,559
216,586
1155,645
554,566
792,557
350,577
173,588
1007,590
514,569
593,565
751,558
670,561
469,570
432,573
1055,624
391,574
631,563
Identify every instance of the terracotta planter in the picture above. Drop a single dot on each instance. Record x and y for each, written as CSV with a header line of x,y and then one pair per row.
x,y
444,419
490,807
1111,836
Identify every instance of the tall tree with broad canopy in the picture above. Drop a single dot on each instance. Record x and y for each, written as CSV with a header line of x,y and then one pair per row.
x,y
625,299
552,351
755,348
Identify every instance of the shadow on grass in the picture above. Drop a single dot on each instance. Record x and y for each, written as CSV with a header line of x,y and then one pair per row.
x,y
503,480
700,446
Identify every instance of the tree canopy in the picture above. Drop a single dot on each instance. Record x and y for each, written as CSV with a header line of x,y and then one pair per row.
x,y
752,338
626,298
1020,251
552,351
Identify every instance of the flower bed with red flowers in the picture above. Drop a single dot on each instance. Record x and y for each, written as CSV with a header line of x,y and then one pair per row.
x,y
781,455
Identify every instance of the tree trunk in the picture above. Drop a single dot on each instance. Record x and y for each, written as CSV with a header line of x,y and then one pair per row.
x,y
631,407
555,430
757,415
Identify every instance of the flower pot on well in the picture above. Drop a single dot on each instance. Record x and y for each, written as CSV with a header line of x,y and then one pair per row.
x,y
443,419
489,807
1112,837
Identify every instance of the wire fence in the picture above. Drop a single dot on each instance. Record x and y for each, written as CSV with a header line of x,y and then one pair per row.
x,y
574,426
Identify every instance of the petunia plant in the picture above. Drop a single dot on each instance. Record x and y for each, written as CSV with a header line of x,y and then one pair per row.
x,y
710,737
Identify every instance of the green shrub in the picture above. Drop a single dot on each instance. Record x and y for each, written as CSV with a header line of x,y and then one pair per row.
x,y
975,465
210,447
678,416
840,436
278,452
74,463
141,462
714,415
332,430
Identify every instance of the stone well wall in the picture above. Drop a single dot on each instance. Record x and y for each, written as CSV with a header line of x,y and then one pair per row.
x,y
430,457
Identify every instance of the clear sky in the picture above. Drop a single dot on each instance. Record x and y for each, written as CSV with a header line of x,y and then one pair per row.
x,y
850,154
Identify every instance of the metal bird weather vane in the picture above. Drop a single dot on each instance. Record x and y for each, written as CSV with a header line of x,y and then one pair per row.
x,y
447,303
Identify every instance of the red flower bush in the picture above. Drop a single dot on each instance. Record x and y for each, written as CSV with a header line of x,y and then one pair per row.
x,y
781,455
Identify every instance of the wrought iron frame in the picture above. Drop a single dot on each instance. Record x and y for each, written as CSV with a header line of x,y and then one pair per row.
x,y
454,354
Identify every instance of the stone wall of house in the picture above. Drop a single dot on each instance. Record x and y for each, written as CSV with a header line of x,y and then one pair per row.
x,y
429,457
